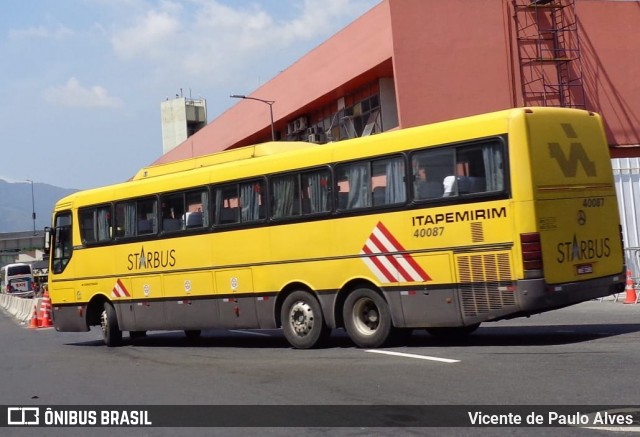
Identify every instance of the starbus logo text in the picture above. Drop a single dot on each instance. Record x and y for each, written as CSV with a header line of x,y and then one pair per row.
x,y
578,250
151,259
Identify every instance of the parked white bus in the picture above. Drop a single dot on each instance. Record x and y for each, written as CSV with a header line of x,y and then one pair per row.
x,y
16,278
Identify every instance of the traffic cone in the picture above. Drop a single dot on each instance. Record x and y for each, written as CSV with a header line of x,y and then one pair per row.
x,y
34,322
45,311
630,292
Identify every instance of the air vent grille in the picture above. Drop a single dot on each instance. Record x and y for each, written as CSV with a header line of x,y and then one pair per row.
x,y
485,283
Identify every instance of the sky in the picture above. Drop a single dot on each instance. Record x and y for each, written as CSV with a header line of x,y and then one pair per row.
x,y
82,80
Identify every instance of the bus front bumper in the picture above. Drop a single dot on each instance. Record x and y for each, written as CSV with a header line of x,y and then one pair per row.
x,y
70,318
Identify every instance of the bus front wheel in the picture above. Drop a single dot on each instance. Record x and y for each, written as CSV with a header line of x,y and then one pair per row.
x,y
111,333
367,318
302,321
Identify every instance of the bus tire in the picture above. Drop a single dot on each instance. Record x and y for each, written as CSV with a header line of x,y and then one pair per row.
x,y
111,333
302,320
367,318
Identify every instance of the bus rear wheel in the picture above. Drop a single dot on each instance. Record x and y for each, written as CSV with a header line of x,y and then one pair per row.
x,y
111,333
367,318
302,320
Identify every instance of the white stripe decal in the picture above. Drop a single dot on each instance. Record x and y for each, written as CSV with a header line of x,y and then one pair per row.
x,y
119,290
392,266
374,269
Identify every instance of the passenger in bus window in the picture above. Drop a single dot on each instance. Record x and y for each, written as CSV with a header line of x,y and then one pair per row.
x,y
450,182
425,188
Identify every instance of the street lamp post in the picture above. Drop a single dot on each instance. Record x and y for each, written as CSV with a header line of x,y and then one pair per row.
x,y
33,207
268,102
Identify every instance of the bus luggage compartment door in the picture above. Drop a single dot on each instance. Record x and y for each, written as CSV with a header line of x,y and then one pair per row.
x,y
435,303
237,302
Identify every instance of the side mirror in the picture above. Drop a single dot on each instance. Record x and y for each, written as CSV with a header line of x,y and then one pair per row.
x,y
47,238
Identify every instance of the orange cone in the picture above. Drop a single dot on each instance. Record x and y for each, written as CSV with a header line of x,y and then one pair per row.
x,y
45,311
34,322
630,292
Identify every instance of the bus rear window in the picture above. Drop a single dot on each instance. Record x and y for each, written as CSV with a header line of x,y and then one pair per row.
x,y
18,270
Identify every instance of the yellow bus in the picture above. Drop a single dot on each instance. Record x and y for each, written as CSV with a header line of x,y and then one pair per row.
x,y
440,227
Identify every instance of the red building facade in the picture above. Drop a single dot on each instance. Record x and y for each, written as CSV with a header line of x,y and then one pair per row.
x,y
410,62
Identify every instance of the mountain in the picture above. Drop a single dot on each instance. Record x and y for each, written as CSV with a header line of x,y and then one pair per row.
x,y
16,204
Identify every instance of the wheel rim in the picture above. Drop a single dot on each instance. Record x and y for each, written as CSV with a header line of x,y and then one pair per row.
x,y
301,318
366,316
104,322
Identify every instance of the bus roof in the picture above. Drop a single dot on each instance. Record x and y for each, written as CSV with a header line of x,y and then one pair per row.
x,y
437,133
255,151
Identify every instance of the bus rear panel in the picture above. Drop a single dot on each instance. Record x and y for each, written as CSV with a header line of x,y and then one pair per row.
x,y
575,252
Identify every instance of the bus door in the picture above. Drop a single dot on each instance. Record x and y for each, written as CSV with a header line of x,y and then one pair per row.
x,y
62,269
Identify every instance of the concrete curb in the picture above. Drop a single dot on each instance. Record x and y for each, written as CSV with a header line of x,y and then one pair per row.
x,y
21,308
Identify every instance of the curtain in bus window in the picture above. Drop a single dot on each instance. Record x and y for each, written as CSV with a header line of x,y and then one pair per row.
x,y
218,207
283,196
104,228
396,189
359,186
129,219
205,207
250,202
493,166
318,191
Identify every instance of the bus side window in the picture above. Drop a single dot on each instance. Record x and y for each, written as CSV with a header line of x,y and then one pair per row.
x,y
87,226
103,223
315,192
479,168
227,202
251,201
197,205
285,200
354,185
388,181
171,211
95,224
430,169
147,216
125,226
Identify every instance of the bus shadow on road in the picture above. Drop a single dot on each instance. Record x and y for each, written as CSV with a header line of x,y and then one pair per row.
x,y
533,335
209,338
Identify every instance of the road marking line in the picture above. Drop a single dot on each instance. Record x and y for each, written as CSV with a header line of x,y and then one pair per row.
x,y
261,334
613,428
420,357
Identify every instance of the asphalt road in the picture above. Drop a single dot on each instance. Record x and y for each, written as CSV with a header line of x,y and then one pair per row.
x,y
588,354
